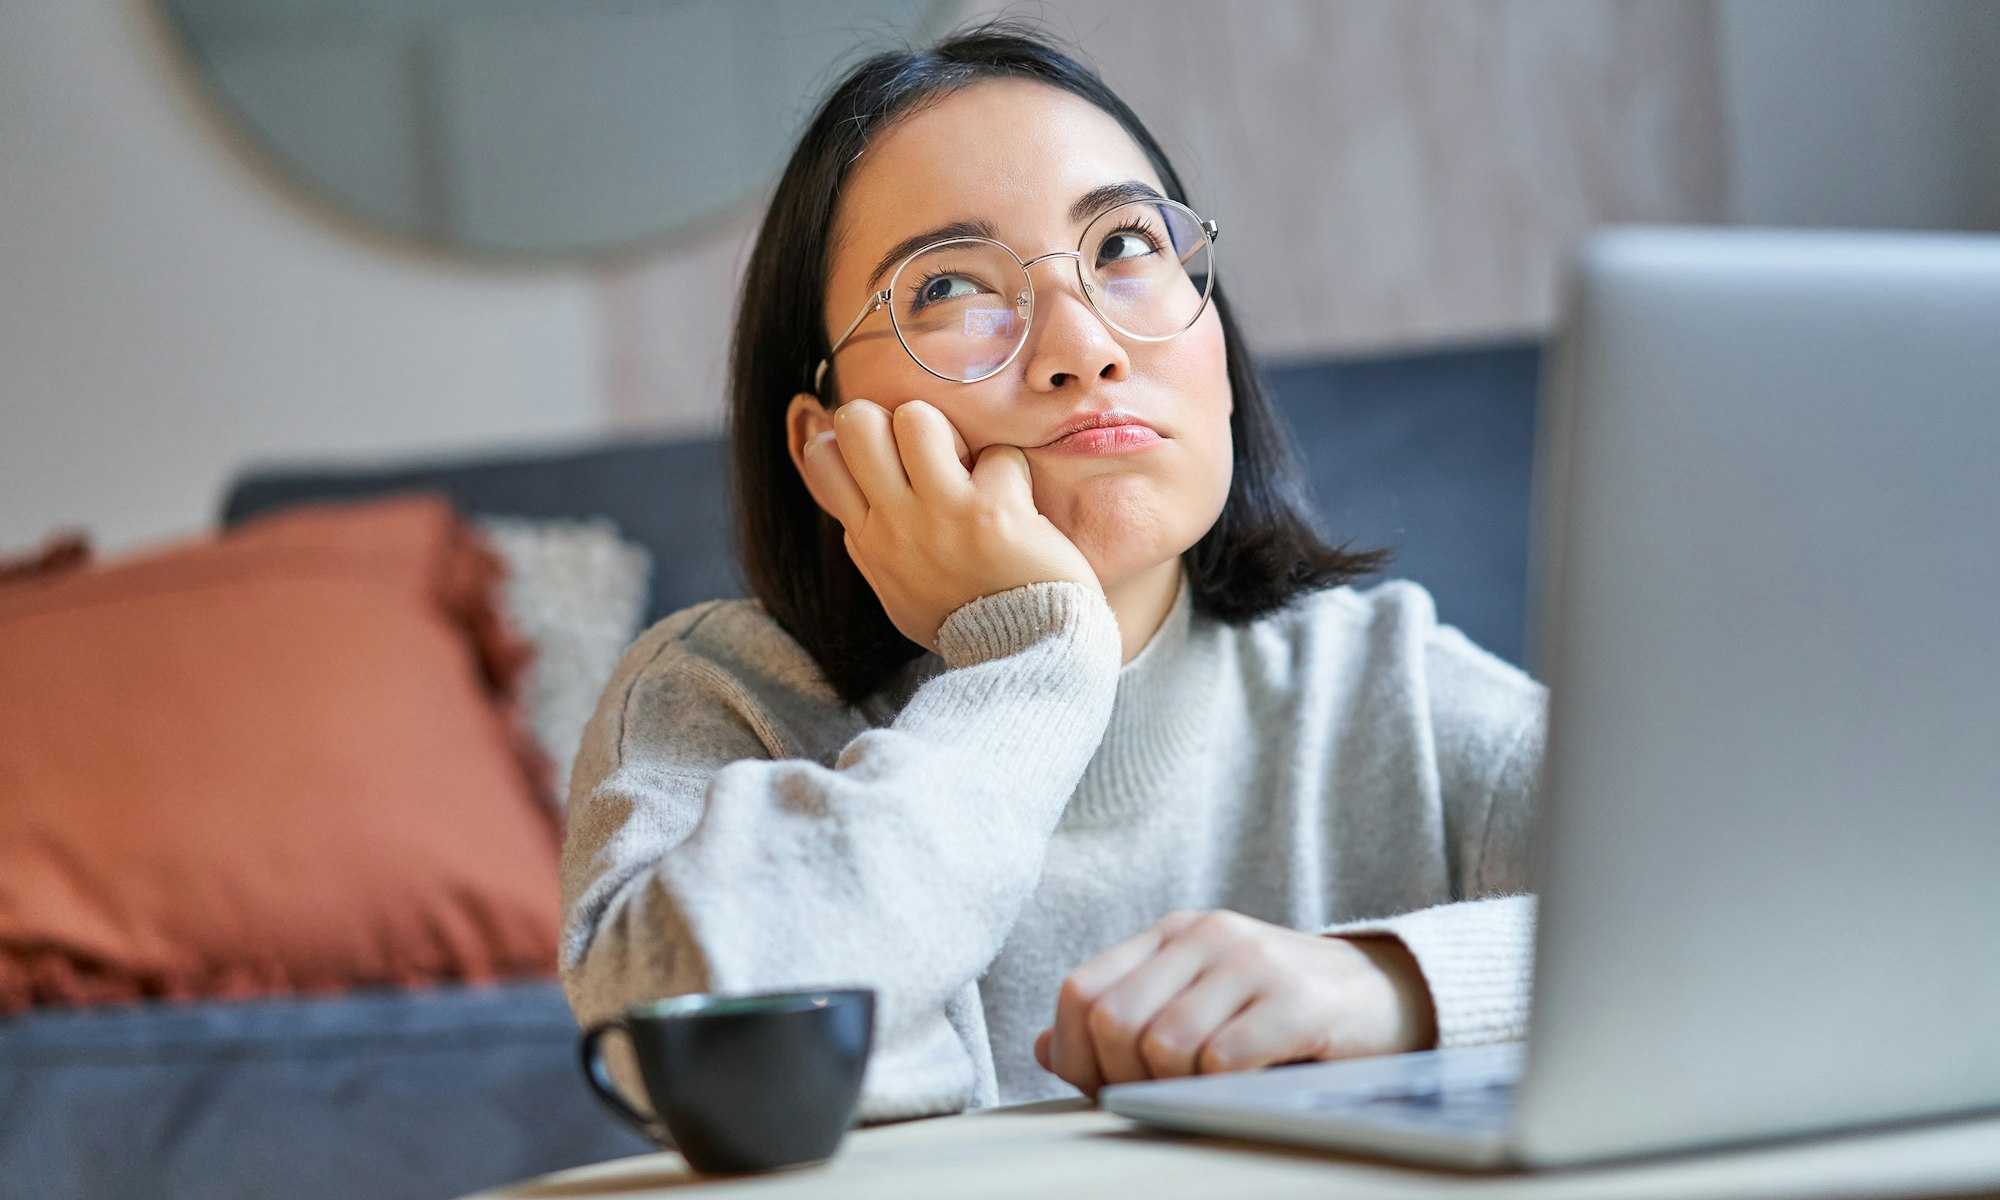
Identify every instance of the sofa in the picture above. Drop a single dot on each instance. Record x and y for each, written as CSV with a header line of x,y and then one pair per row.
x,y
435,1091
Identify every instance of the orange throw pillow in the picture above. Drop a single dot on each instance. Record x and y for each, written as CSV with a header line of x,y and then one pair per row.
x,y
277,761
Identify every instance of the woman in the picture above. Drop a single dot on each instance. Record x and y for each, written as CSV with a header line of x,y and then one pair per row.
x,y
1079,750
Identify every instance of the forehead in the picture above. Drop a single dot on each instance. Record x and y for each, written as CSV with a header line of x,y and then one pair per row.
x,y
1014,151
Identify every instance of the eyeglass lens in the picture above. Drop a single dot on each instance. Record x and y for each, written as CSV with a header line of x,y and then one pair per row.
x,y
963,307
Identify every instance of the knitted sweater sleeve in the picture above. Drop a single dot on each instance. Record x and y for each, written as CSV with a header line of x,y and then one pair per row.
x,y
1476,952
695,861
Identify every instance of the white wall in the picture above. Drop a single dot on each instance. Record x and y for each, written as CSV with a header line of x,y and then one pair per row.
x,y
1882,114
167,314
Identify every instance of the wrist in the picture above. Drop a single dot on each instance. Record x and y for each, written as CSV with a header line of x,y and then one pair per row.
x,y
1405,978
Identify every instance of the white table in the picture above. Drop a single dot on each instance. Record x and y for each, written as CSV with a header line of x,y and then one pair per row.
x,y
1070,1148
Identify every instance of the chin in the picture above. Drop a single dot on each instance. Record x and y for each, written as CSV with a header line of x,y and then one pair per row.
x,y
1120,564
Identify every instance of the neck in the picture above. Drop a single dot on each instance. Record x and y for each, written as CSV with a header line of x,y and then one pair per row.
x,y
1141,602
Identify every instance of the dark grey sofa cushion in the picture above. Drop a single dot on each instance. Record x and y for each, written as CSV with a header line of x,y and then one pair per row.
x,y
1431,455
419,1094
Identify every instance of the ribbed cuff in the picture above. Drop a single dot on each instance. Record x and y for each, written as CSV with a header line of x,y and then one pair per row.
x,y
1477,956
1034,674
1008,622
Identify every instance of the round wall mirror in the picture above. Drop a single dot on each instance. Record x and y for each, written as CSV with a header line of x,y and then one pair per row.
x,y
516,128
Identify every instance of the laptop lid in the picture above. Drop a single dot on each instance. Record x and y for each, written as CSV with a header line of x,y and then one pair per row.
x,y
1767,564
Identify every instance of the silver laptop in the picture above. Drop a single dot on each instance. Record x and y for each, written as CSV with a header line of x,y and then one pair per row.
x,y
1766,600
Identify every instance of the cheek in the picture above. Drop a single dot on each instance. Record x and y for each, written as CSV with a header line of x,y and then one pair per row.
x,y
1195,367
1207,354
1201,375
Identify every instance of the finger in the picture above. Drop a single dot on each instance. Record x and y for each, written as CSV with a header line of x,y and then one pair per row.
x,y
1273,1028
869,447
1002,470
1074,1051
1176,1035
1042,1041
1075,1059
830,482
922,436
959,449
1125,1009
1070,1055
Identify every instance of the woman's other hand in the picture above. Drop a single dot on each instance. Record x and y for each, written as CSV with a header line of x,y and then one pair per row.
x,y
1204,992
930,526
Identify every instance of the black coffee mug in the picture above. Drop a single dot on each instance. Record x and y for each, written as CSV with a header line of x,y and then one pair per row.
x,y
744,1082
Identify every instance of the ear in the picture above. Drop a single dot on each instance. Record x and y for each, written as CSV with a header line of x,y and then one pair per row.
x,y
805,418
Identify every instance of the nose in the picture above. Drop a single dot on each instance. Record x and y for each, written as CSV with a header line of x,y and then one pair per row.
x,y
1068,341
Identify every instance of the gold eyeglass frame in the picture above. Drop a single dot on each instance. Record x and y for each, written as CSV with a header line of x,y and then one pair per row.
x,y
1027,296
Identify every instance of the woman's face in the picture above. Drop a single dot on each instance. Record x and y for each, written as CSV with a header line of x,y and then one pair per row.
x,y
1019,153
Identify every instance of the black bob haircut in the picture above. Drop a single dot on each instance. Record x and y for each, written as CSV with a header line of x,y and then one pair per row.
x,y
1262,551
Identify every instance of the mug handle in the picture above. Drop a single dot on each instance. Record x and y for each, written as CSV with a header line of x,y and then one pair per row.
x,y
599,1077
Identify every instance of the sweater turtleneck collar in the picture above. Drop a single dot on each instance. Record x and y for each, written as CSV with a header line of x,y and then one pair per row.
x,y
1158,721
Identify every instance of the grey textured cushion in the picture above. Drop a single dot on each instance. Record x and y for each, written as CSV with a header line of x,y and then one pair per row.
x,y
576,591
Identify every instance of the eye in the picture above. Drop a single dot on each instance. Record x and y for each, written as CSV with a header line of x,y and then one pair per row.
x,y
1133,239
937,286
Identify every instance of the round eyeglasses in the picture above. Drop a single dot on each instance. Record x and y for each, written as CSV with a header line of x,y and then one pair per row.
x,y
962,307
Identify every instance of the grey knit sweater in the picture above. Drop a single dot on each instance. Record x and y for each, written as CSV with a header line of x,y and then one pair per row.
x,y
1013,804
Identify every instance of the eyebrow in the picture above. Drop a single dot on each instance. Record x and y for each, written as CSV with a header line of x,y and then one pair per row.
x,y
1088,205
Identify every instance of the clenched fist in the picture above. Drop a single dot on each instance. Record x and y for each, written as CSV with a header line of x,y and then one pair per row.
x,y
1204,992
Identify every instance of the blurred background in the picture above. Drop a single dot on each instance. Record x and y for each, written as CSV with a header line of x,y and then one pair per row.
x,y
237,231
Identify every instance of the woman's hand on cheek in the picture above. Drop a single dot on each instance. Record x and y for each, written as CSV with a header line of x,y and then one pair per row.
x,y
928,524
1204,992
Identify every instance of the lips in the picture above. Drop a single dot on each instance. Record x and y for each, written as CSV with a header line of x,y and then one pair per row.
x,y
1097,420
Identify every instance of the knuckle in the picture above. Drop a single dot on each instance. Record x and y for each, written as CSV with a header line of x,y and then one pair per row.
x,y
1105,1021
1220,924
1162,1045
1252,956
